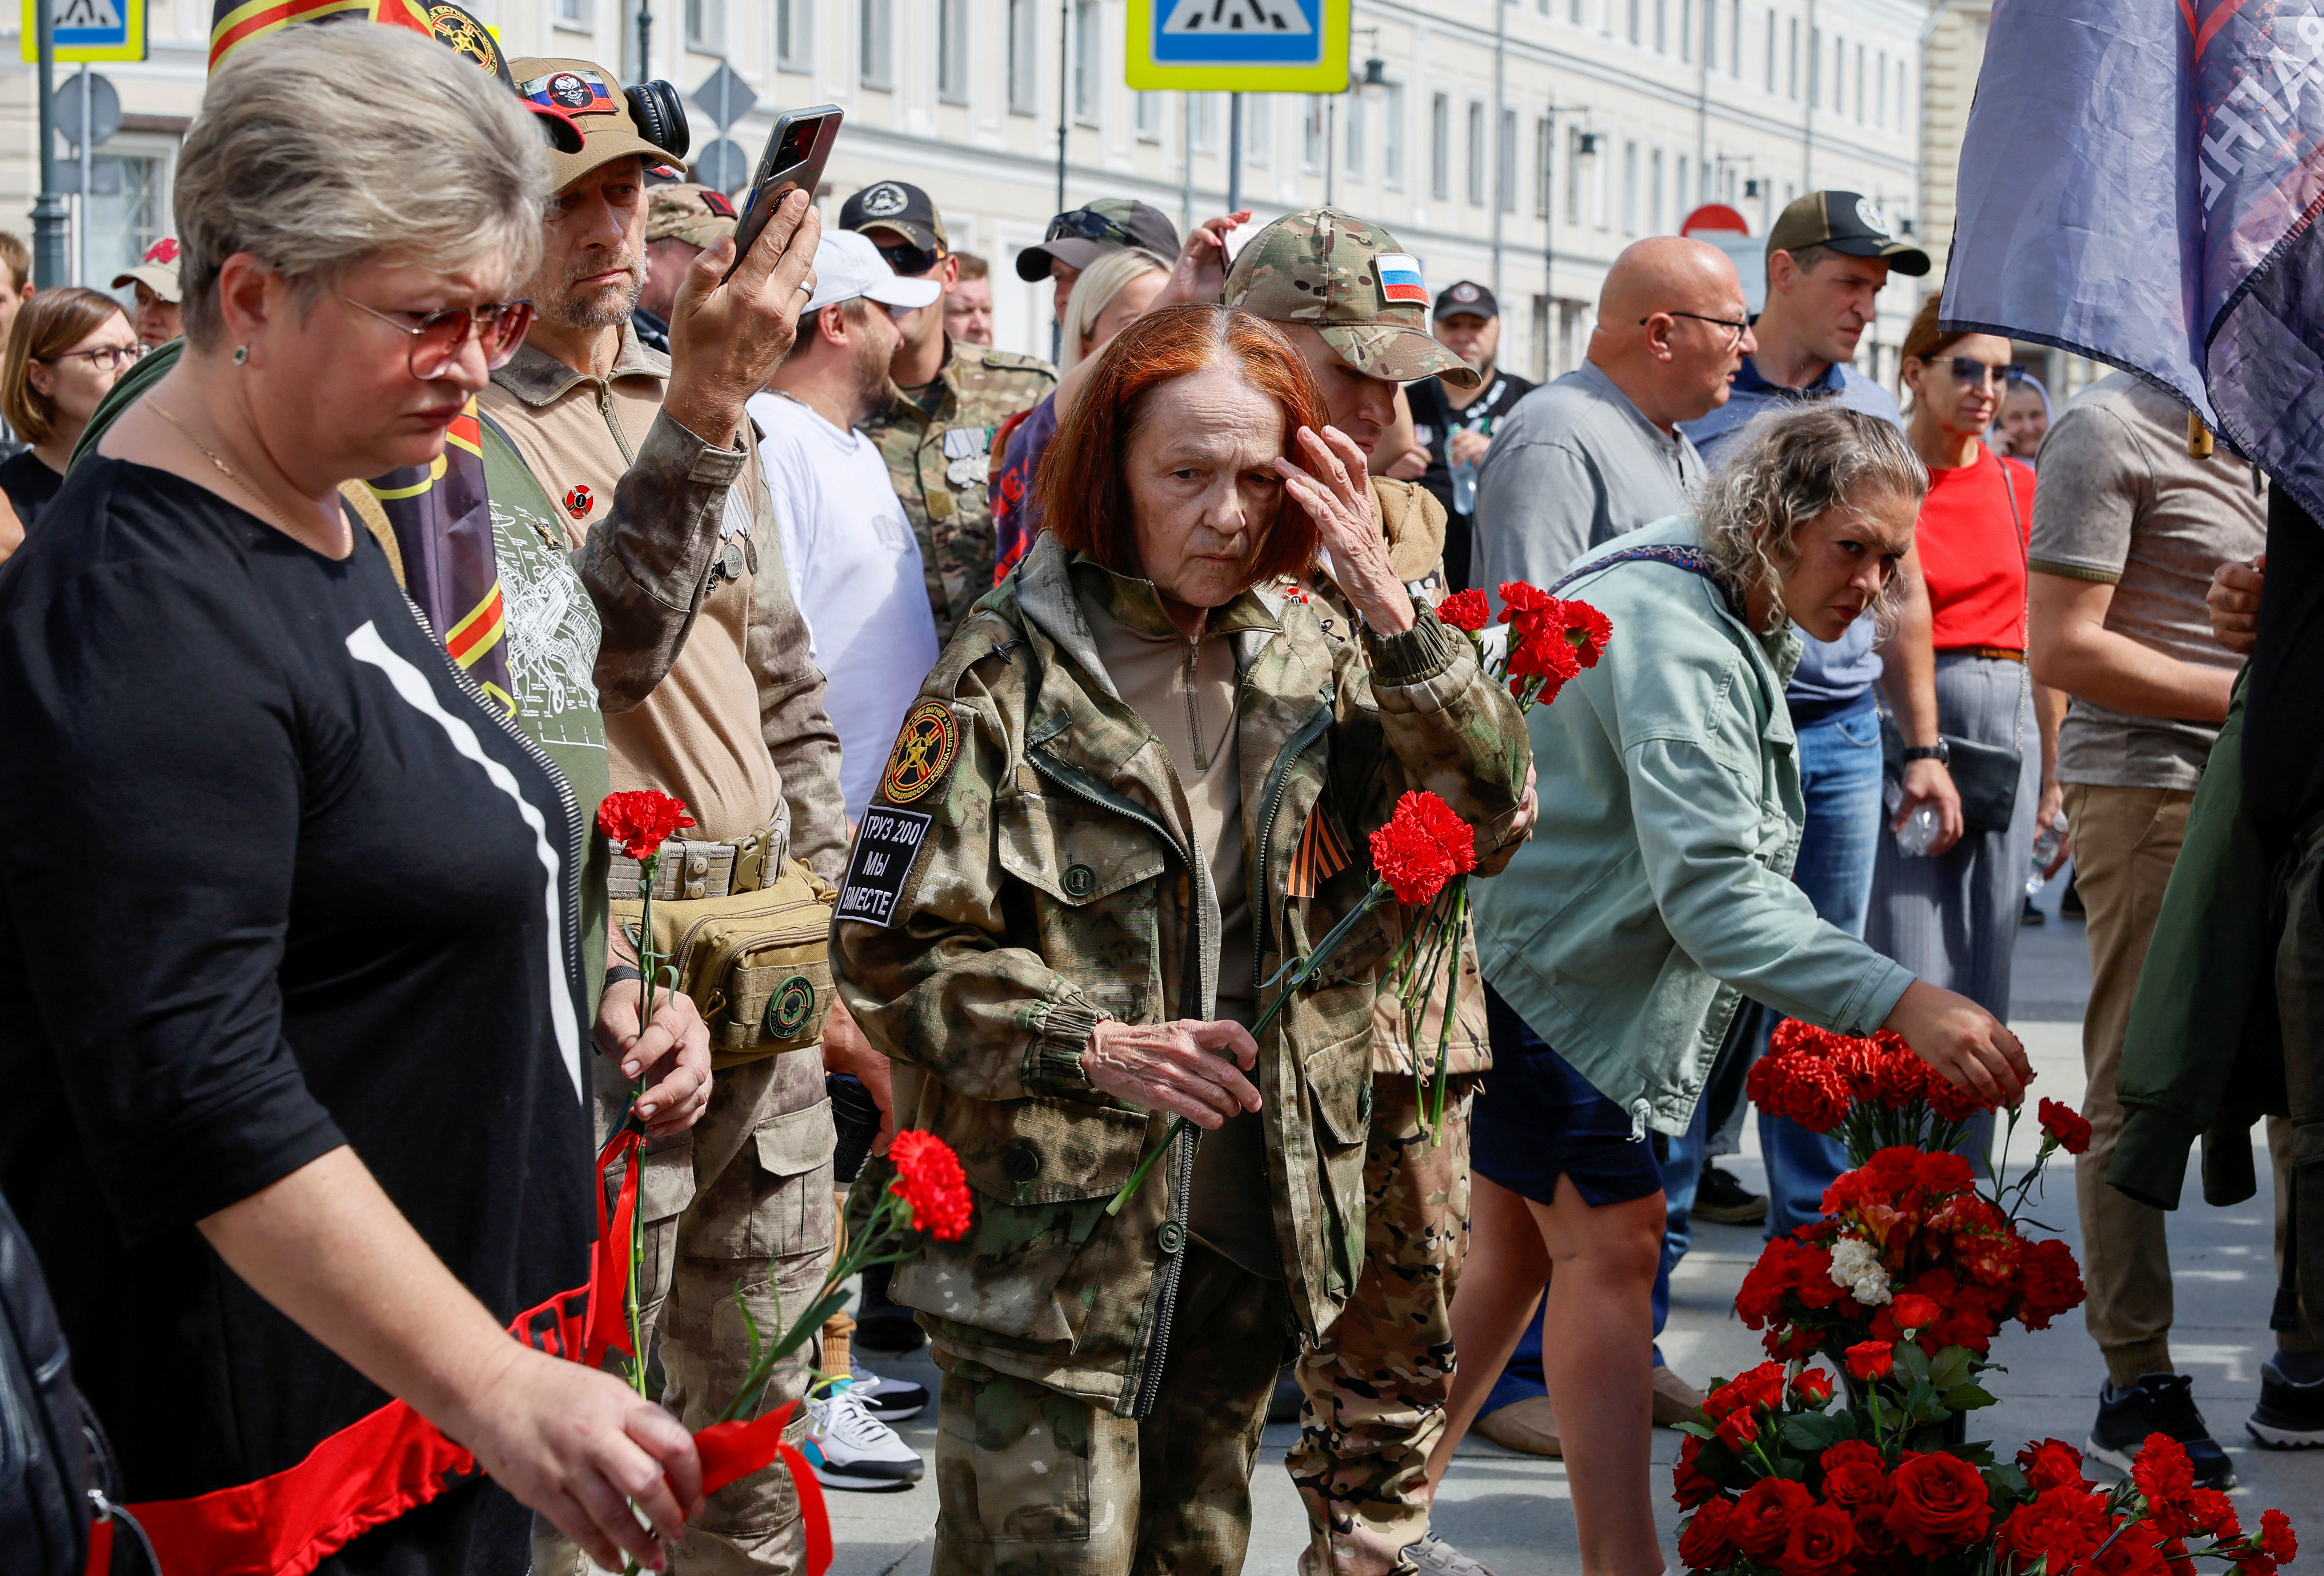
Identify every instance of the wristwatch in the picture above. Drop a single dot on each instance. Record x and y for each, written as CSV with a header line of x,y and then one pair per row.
x,y
1941,752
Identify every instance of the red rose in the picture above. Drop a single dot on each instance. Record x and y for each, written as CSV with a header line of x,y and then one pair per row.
x,y
1689,1486
1850,1453
1821,1541
1913,1312
2052,1463
1465,610
2068,1126
1813,1386
1762,1520
928,1178
640,821
1940,1504
2048,1281
1423,845
1703,1543
1853,1484
1871,1360
1738,1428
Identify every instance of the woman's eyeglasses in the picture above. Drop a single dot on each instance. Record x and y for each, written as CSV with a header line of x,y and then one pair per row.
x,y
908,260
104,357
500,327
1968,372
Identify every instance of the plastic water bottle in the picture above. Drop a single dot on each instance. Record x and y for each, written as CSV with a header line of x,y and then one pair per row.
x,y
2046,848
1464,488
1919,831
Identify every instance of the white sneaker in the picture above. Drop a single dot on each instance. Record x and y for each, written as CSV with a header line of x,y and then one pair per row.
x,y
889,1400
851,1448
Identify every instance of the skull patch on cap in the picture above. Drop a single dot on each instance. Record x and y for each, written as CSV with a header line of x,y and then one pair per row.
x,y
883,200
1464,291
574,92
1869,215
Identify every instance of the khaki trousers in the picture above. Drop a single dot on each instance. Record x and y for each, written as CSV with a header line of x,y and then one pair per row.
x,y
2125,840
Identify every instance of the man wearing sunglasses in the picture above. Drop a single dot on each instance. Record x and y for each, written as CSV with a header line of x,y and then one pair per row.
x,y
945,399
1080,237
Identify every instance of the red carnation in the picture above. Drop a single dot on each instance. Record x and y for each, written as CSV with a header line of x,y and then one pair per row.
x,y
1813,1386
2214,1515
1913,1312
1519,599
2276,1539
1956,1102
1423,845
1738,1428
2060,1523
1588,630
640,821
1465,610
2048,1281
1940,1504
2052,1463
2162,1470
1761,1523
1871,1360
1821,1541
928,1178
1703,1543
2066,1125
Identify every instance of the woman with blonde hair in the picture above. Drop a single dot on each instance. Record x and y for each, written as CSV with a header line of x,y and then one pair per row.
x,y
67,347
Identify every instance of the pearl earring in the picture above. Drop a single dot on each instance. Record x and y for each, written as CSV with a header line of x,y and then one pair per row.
x,y
241,354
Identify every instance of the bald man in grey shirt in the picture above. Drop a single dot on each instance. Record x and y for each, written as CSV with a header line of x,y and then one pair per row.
x,y
1598,452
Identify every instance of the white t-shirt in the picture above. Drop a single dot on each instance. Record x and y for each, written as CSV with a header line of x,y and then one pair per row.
x,y
855,572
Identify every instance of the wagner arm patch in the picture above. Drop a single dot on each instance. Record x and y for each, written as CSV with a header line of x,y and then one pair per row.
x,y
886,845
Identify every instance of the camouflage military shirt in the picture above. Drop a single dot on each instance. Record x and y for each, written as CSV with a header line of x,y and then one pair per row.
x,y
1024,871
937,459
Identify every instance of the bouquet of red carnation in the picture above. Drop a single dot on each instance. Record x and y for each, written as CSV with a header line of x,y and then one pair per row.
x,y
1874,1092
1547,640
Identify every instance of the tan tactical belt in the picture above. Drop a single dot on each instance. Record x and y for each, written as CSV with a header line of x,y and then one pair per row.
x,y
690,870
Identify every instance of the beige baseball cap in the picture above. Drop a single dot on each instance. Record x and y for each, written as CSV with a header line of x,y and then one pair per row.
x,y
157,270
590,97
684,211
1354,285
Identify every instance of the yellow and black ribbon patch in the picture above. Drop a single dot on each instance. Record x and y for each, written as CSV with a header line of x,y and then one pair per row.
x,y
1321,853
924,752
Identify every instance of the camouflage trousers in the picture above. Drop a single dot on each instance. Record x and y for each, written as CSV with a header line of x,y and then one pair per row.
x,y
1377,1385
738,1208
1034,1482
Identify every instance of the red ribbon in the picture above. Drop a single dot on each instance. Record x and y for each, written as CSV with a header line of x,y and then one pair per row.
x,y
394,1459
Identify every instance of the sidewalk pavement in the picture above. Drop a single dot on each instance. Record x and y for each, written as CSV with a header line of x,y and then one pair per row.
x,y
1514,1513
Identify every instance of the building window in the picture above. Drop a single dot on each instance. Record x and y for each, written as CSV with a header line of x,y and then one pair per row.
x,y
1629,188
1476,152
1352,118
1637,36
1258,129
1312,134
1505,163
706,25
1771,50
1392,135
1089,39
1815,67
952,50
1654,193
1202,122
1440,147
875,33
121,226
794,34
1860,84
1791,77
1574,13
1681,205
1839,74
1024,57
576,13
1662,27
1149,110
1573,175
1686,29
1735,39
1880,91
1545,165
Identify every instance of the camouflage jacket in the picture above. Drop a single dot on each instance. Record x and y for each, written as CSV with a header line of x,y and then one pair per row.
x,y
1045,879
939,460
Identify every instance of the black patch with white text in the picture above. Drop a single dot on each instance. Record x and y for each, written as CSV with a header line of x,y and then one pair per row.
x,y
886,845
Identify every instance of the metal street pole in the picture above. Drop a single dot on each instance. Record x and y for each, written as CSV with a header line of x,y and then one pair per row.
x,y
1064,88
80,226
1549,248
1504,178
1187,197
48,208
1234,152
645,42
1331,143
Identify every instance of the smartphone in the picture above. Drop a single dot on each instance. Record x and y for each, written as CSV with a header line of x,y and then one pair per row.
x,y
796,151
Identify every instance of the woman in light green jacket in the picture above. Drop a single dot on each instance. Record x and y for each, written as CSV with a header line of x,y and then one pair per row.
x,y
1655,894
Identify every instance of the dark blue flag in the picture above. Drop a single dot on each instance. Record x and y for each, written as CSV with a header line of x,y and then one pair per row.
x,y
2139,183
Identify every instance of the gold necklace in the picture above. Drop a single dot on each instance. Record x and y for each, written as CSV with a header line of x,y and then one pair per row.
x,y
348,535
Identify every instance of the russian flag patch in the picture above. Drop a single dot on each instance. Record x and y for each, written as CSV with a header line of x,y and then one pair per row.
x,y
1400,278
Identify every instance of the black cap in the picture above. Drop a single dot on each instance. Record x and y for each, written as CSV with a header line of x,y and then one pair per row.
x,y
1466,299
1848,223
894,205
1081,236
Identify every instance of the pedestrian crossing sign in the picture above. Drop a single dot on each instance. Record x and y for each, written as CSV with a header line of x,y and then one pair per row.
x,y
88,30
1238,46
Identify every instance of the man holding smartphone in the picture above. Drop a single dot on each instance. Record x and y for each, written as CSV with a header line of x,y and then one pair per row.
x,y
714,701
945,400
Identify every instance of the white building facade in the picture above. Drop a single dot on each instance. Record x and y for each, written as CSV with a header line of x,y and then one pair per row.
x,y
1495,139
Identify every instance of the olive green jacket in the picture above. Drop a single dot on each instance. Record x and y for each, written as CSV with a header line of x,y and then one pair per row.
x,y
1057,885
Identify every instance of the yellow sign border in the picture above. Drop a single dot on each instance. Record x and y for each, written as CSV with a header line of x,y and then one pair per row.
x,y
132,11
1142,71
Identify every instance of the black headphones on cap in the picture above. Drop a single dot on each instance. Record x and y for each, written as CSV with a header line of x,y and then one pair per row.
x,y
661,115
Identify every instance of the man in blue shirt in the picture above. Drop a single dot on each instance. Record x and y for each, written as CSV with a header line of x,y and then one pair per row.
x,y
1828,256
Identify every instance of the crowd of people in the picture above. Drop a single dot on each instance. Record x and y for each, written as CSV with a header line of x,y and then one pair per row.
x,y
1068,694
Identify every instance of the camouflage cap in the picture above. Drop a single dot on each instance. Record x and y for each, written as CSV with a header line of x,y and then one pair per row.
x,y
1355,286
684,211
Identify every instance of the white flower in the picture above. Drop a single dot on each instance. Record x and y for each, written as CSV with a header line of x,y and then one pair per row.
x,y
1856,1265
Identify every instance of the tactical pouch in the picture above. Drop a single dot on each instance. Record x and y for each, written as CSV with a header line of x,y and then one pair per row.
x,y
757,963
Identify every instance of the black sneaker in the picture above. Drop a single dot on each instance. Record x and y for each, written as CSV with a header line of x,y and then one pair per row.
x,y
1720,1197
2290,1415
2158,1404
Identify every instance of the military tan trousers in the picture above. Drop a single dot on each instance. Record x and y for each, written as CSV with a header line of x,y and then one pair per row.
x,y
1376,1386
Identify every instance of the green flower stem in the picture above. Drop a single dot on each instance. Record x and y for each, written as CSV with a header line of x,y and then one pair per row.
x,y
874,1245
1458,917
1301,971
648,960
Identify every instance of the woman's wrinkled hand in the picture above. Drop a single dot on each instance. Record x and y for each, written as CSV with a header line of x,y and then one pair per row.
x,y
673,1053
1328,479
1963,1041
580,1447
1186,1068
1199,276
